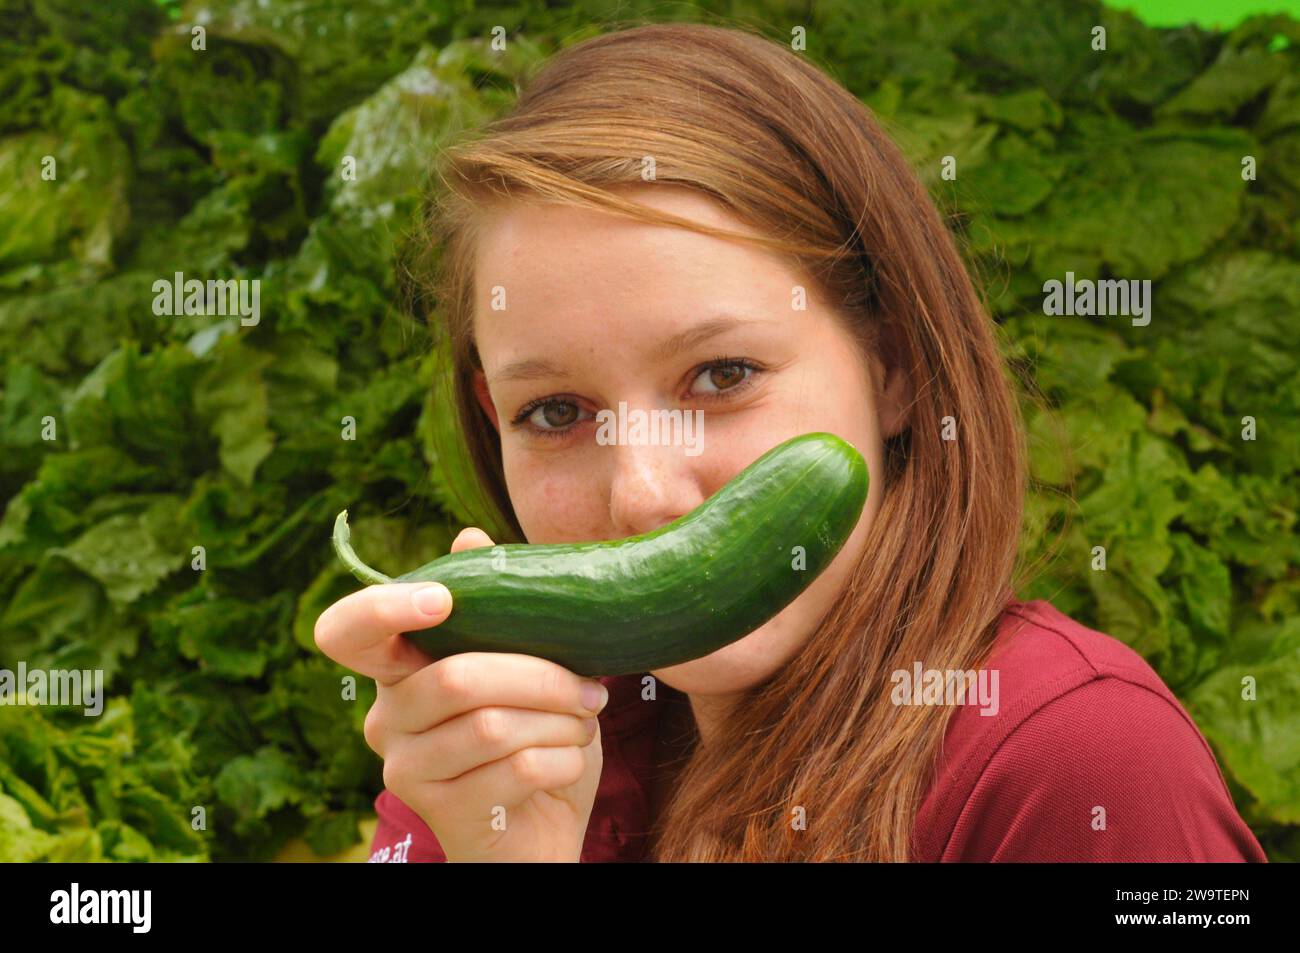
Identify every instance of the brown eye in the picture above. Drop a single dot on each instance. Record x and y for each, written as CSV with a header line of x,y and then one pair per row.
x,y
721,377
724,377
558,414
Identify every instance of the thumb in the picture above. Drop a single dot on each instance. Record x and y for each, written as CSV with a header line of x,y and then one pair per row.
x,y
471,537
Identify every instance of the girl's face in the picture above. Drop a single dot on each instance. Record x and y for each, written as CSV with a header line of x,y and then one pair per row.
x,y
592,310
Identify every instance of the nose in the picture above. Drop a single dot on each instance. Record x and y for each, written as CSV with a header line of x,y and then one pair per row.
x,y
651,486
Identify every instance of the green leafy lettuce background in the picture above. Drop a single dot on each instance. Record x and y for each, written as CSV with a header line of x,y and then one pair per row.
x,y
185,431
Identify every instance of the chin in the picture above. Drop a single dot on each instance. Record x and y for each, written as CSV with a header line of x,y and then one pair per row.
x,y
733,668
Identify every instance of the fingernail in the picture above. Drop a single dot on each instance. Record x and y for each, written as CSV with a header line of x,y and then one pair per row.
x,y
432,600
594,696
591,727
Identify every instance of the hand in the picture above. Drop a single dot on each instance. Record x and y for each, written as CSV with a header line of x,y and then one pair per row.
x,y
498,753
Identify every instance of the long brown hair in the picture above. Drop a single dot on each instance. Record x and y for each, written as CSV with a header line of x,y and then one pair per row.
x,y
792,153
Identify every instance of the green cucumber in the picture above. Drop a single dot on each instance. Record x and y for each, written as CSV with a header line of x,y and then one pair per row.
x,y
668,596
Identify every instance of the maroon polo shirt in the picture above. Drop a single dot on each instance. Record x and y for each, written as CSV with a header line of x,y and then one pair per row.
x,y
1087,756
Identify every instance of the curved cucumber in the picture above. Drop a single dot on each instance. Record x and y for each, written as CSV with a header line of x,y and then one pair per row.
x,y
662,598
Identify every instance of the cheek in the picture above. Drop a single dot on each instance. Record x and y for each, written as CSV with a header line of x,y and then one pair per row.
x,y
554,508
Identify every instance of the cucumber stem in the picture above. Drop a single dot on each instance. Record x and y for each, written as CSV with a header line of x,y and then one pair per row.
x,y
345,553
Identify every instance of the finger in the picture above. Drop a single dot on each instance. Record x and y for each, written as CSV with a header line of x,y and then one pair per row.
x,y
484,735
471,537
361,630
507,782
463,682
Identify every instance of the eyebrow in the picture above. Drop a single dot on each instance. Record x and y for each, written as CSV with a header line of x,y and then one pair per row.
x,y
534,369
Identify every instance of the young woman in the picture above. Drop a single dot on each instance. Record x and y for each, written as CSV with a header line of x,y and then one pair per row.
x,y
692,217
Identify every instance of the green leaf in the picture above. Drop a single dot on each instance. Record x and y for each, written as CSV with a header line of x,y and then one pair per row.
x,y
66,186
124,557
20,841
1028,109
231,638
333,832
231,396
29,397
1235,78
1118,175
1130,612
307,701
259,783
1018,178
1257,739
1205,586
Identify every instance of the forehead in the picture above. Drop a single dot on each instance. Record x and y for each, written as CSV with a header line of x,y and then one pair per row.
x,y
536,260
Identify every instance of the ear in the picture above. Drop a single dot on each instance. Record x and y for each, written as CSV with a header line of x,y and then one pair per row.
x,y
895,400
485,399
